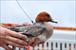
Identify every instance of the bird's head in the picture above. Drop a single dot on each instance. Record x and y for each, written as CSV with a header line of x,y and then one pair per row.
x,y
44,17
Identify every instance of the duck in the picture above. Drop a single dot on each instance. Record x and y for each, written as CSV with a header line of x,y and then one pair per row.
x,y
42,20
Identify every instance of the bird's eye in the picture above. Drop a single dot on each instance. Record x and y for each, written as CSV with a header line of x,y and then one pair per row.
x,y
47,15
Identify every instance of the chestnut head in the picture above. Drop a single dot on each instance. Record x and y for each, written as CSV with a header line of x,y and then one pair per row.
x,y
44,17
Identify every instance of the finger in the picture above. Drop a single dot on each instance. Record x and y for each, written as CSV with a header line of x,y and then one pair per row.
x,y
6,47
13,44
15,34
2,42
15,40
23,38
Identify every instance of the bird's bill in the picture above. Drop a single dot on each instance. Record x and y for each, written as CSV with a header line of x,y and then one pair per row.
x,y
54,21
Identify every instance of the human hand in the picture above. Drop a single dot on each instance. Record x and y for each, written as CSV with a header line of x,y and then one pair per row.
x,y
8,37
